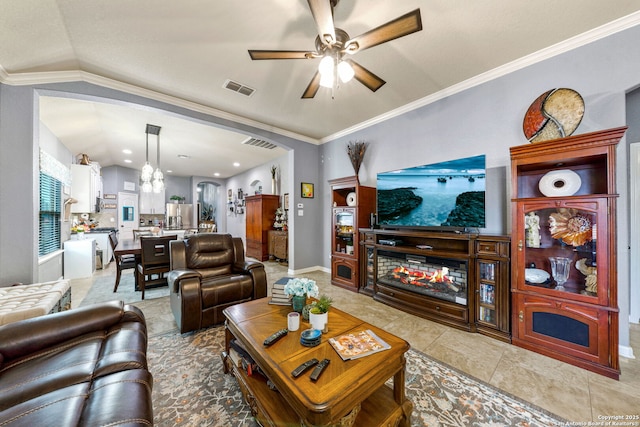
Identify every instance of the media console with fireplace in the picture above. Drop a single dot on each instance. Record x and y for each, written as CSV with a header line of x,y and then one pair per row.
x,y
458,279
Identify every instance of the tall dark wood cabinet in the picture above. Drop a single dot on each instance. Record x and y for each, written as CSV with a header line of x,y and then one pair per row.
x,y
260,213
352,206
564,213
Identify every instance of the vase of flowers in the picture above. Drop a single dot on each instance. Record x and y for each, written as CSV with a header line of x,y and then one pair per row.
x,y
300,289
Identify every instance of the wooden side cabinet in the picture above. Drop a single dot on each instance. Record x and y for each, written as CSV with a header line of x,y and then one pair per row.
x,y
367,261
492,303
260,214
563,275
352,205
278,245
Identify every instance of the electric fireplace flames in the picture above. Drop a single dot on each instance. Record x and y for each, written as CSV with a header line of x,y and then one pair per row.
x,y
439,278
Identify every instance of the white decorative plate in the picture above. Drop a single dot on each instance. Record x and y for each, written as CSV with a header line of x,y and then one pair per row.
x,y
560,183
535,275
351,199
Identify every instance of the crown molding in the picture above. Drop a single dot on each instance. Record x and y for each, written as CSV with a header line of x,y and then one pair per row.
x,y
31,79
583,39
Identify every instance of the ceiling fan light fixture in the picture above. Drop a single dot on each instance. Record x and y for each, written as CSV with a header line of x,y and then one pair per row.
x,y
326,65
326,80
345,71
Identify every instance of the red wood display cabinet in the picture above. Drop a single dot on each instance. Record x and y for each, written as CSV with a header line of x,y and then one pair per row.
x,y
352,206
564,281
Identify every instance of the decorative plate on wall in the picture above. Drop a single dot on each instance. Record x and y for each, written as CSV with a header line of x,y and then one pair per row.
x,y
554,114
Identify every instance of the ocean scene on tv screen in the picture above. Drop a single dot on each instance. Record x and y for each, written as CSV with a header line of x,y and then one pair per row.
x,y
444,194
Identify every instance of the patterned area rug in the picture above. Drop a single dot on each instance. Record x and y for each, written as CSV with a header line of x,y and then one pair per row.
x,y
102,290
190,389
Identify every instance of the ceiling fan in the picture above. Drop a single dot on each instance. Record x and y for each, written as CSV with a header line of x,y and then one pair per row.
x,y
335,46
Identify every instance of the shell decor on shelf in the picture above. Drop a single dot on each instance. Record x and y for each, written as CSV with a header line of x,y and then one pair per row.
x,y
355,151
570,226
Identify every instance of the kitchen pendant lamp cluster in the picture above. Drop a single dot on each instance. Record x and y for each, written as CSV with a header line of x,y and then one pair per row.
x,y
152,181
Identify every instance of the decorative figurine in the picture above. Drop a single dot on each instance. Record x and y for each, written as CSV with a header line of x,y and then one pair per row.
x,y
532,225
591,281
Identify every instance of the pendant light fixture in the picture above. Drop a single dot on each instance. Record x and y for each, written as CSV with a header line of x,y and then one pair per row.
x,y
147,170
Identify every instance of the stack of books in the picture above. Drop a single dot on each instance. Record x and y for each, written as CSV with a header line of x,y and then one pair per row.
x,y
278,296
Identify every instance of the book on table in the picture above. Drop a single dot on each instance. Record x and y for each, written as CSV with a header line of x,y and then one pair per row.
x,y
358,344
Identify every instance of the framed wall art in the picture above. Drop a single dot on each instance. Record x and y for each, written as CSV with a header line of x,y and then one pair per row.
x,y
306,189
285,201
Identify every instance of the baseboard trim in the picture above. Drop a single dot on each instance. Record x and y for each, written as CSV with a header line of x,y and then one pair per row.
x,y
626,351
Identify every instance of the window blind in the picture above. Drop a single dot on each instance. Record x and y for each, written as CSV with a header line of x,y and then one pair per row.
x,y
50,212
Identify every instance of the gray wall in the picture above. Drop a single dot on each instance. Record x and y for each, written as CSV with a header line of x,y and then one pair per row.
x,y
19,186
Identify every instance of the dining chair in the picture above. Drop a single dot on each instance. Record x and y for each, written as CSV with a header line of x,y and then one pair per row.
x,y
154,261
123,262
139,233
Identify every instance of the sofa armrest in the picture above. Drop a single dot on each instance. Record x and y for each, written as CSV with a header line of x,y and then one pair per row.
x,y
258,274
30,335
178,255
174,277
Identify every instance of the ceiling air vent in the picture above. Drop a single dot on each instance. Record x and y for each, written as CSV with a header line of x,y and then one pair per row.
x,y
237,87
259,143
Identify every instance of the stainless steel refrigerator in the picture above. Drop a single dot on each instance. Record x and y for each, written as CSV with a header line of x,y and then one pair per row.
x,y
178,216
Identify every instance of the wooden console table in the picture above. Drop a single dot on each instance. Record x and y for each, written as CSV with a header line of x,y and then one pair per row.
x,y
348,392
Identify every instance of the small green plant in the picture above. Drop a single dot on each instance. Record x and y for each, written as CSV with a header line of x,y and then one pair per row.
x,y
322,305
178,198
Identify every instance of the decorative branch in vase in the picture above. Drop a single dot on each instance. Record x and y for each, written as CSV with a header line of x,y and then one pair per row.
x,y
274,185
355,151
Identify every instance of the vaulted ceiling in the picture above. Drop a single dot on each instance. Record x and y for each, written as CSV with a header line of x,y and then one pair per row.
x,y
187,51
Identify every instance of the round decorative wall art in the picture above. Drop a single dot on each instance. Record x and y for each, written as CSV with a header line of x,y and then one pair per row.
x,y
554,114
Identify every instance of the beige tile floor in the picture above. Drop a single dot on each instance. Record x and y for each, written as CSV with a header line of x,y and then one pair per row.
x,y
570,392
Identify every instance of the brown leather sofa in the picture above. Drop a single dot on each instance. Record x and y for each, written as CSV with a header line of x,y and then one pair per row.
x,y
81,367
208,274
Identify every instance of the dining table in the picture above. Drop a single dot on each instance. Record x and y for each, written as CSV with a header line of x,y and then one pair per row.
x,y
130,247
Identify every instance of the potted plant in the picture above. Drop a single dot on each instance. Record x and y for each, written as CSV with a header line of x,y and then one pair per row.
x,y
319,313
176,199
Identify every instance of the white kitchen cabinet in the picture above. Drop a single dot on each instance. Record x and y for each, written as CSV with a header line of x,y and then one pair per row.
x,y
152,203
102,243
86,187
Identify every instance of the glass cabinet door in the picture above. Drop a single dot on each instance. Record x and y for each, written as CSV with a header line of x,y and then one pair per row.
x,y
344,228
558,247
487,292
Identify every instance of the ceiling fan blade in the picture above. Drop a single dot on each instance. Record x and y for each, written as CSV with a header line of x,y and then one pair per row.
x,y
365,76
399,27
323,15
281,54
313,87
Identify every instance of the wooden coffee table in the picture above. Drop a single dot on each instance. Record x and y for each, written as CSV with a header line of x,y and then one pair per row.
x,y
348,393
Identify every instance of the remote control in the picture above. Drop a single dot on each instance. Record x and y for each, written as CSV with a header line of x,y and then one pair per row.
x,y
302,368
317,371
275,337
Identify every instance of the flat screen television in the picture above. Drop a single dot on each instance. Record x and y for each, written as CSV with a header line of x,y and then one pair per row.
x,y
448,195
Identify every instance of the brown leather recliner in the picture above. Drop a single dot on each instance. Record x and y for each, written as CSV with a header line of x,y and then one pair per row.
x,y
208,274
